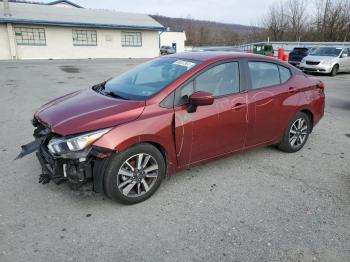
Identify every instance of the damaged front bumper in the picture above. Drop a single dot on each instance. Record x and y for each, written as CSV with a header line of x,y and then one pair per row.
x,y
75,167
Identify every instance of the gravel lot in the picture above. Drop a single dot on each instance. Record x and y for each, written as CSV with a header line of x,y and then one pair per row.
x,y
262,205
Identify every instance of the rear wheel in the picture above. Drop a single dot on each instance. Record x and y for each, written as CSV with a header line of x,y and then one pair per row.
x,y
296,134
335,70
134,174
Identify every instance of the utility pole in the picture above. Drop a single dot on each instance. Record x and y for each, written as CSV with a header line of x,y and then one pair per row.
x,y
6,8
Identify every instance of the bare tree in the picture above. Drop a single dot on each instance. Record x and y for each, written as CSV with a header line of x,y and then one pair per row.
x,y
332,19
330,22
276,22
297,18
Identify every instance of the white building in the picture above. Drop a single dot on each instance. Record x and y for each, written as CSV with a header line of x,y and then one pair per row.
x,y
168,38
64,30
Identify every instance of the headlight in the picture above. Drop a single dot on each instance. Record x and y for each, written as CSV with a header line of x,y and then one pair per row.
x,y
327,62
77,143
303,61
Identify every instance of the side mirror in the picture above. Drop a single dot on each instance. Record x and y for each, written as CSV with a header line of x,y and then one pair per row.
x,y
199,98
344,55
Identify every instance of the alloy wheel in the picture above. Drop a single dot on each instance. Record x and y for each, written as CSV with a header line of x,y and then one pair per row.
x,y
298,133
137,175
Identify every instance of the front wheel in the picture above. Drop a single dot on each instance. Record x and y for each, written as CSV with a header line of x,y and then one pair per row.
x,y
335,70
296,134
134,174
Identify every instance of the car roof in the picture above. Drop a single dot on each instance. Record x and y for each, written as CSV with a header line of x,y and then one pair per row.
x,y
334,46
208,55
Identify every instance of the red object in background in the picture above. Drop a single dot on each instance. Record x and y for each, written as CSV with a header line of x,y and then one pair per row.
x,y
285,57
281,53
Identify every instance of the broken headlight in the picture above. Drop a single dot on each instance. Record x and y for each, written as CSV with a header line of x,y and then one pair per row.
x,y
65,145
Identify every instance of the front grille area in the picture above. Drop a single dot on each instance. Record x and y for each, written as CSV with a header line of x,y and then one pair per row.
x,y
312,63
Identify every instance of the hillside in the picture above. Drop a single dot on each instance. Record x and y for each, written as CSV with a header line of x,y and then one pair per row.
x,y
203,33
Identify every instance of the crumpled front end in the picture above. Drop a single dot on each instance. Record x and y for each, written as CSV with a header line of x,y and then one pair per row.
x,y
75,167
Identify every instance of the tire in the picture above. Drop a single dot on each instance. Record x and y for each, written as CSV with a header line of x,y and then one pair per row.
x,y
124,179
296,135
334,71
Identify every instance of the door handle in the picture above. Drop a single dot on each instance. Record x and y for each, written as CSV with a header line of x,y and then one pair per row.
x,y
292,90
238,106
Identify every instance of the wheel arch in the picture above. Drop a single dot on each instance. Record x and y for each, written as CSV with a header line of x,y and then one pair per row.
x,y
309,113
100,165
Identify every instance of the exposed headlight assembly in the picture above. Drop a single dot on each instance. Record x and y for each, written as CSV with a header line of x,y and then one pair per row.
x,y
60,146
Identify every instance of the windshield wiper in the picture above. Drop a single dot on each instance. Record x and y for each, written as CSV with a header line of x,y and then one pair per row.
x,y
100,88
112,94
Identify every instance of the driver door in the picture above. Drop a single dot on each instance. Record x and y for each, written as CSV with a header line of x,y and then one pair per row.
x,y
211,130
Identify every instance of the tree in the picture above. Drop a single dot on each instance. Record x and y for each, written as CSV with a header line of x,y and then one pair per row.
x,y
276,22
296,18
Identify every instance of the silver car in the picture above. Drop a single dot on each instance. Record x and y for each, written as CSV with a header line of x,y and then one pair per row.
x,y
327,60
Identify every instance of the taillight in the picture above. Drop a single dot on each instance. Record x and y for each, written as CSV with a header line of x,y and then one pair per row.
x,y
321,87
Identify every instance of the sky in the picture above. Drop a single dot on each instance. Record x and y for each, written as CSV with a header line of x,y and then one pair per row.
x,y
246,12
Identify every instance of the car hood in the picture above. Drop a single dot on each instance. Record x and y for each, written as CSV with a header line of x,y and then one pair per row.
x,y
87,110
319,58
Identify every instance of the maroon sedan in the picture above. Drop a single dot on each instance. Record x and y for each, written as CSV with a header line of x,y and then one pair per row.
x,y
171,113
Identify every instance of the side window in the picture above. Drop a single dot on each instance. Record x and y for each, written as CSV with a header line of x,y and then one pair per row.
x,y
285,74
263,74
219,80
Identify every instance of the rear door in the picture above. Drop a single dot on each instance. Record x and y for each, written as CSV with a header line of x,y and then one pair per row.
x,y
215,129
270,87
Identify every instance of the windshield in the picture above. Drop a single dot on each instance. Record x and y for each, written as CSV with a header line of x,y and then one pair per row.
x,y
148,79
326,51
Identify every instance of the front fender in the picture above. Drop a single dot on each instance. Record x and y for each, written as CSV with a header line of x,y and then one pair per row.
x,y
156,128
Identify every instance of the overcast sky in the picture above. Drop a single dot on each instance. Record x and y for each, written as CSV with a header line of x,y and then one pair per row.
x,y
228,11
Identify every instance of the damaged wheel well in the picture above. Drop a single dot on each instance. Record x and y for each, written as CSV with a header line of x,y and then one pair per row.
x,y
100,166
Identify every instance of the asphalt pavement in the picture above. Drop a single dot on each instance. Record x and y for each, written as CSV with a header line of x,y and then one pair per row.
x,y
262,205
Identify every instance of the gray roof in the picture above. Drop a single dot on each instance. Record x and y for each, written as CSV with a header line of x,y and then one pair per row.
x,y
79,17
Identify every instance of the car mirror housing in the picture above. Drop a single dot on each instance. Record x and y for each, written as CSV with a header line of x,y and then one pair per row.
x,y
344,55
199,98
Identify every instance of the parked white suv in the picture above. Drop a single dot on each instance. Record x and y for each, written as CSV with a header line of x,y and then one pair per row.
x,y
327,60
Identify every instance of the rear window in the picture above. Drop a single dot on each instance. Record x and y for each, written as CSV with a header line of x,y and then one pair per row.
x,y
265,74
298,51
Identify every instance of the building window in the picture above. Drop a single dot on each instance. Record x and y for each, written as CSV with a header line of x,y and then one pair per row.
x,y
131,39
84,37
30,36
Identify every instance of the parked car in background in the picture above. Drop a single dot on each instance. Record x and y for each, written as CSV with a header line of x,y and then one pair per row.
x,y
263,49
327,60
297,54
170,114
167,50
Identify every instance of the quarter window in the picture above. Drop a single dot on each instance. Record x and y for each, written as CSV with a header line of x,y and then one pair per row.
x,y
285,74
30,36
131,39
185,92
263,74
84,37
